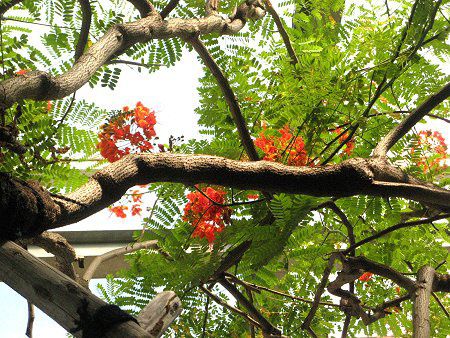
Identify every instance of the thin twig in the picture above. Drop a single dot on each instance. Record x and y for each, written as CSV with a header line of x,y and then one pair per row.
x,y
205,318
394,228
30,322
229,307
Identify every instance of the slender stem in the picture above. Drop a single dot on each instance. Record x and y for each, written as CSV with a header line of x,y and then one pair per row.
x,y
30,322
229,307
394,228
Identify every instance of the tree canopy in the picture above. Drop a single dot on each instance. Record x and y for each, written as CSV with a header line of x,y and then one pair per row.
x,y
315,200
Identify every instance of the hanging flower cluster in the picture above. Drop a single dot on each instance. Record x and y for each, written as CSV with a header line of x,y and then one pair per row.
x,y
128,132
135,198
349,145
285,146
433,151
207,217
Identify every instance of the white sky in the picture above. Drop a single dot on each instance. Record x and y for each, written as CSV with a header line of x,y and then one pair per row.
x,y
172,93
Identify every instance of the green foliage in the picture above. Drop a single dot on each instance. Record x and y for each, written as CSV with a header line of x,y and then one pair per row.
x,y
361,67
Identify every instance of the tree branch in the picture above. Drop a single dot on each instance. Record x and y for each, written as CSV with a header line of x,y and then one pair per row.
x,y
229,307
421,301
230,98
351,177
394,228
85,27
6,5
282,31
169,8
39,85
306,325
144,7
116,253
405,126
54,293
265,325
30,322
58,246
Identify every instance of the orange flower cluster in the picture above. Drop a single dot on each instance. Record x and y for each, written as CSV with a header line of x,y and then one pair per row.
x,y
207,218
275,148
136,198
119,210
366,276
433,150
128,132
349,146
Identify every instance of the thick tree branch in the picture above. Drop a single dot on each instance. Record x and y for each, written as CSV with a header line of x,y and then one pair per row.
x,y
54,293
421,301
27,209
39,85
57,245
405,126
85,27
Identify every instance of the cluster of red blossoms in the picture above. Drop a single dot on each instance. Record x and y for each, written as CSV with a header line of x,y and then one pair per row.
x,y
207,217
136,207
128,132
276,148
349,146
366,276
433,151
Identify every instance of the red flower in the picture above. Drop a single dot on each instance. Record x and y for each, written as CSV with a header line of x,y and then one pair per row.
x,y
135,210
253,196
22,72
119,210
136,197
286,145
207,217
433,150
366,276
128,132
49,105
349,145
